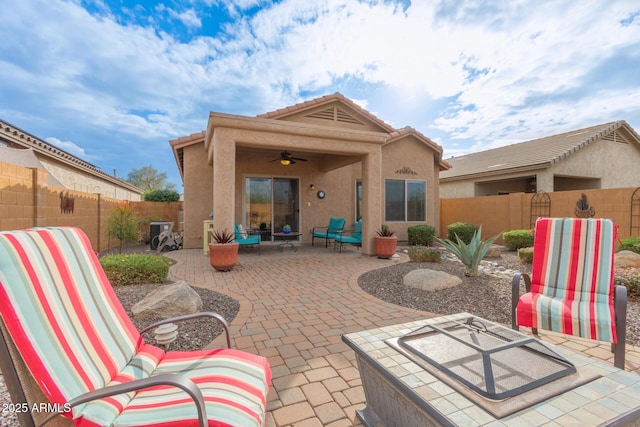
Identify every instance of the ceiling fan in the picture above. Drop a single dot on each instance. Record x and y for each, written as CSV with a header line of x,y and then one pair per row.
x,y
287,159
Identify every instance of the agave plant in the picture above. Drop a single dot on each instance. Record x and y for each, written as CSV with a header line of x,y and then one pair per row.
x,y
221,236
385,231
470,254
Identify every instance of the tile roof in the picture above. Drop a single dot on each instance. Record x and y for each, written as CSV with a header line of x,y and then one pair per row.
x,y
533,154
17,136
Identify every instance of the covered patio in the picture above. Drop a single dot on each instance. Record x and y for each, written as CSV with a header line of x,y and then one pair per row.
x,y
295,307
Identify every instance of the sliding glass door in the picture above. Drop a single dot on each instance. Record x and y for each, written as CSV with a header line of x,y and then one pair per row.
x,y
272,203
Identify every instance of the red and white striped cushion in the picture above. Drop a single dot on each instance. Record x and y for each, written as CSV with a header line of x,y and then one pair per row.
x,y
75,336
571,279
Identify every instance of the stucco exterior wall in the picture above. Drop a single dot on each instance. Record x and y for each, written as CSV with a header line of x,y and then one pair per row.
x,y
615,164
198,193
77,180
409,159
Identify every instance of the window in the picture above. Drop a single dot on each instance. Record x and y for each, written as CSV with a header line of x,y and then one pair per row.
x,y
405,200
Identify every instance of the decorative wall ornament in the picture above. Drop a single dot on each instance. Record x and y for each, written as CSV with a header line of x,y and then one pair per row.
x,y
406,171
66,203
583,208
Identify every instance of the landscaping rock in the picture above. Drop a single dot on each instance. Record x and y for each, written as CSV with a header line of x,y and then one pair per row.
x,y
166,301
627,259
430,280
493,252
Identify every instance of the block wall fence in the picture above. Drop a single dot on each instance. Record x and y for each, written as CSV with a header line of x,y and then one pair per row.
x,y
498,214
27,201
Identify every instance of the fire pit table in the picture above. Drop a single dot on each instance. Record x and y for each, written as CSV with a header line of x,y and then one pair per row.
x,y
465,370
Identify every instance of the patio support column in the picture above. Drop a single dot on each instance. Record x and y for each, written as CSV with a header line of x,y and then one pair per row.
x,y
224,171
371,199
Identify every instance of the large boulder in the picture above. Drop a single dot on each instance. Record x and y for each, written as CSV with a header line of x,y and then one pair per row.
x,y
176,299
430,280
626,259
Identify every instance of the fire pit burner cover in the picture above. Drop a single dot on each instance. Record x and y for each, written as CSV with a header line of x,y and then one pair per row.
x,y
493,361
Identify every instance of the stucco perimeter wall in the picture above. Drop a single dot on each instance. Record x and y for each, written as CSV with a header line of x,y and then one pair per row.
x,y
498,214
27,201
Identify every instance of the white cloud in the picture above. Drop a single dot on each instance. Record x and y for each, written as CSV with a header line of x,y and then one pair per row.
x,y
499,73
189,18
70,148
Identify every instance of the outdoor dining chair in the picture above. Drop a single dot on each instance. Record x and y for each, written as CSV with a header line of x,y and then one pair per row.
x,y
246,239
354,239
328,233
570,289
67,343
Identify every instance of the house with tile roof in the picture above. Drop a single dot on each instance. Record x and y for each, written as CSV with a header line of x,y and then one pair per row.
x,y
65,170
304,164
597,157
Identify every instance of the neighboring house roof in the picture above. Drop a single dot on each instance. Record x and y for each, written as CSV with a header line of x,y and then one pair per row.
x,y
20,138
535,154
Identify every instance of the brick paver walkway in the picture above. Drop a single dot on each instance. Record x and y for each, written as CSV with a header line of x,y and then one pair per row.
x,y
295,307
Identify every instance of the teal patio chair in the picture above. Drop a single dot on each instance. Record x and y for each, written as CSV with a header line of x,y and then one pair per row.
x,y
353,239
328,233
245,238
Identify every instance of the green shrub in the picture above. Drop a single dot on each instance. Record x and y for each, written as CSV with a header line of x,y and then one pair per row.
x,y
469,253
526,254
425,255
135,269
463,230
122,224
516,239
161,196
421,235
630,244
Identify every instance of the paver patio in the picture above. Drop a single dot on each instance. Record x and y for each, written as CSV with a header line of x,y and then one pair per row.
x,y
294,309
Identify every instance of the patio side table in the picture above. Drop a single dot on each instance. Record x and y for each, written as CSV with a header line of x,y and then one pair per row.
x,y
287,239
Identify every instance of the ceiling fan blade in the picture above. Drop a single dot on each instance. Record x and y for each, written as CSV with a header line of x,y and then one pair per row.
x,y
298,158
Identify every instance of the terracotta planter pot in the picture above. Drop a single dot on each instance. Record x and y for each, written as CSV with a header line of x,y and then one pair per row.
x,y
386,246
223,257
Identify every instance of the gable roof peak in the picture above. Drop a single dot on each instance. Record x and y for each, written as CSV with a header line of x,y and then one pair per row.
x,y
323,100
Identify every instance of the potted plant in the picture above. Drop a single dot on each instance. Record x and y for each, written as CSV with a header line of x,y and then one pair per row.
x,y
386,242
286,229
223,251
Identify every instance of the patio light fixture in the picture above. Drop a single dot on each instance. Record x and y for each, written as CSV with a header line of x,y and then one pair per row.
x,y
285,162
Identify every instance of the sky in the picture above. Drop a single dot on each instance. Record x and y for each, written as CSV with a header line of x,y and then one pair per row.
x,y
113,81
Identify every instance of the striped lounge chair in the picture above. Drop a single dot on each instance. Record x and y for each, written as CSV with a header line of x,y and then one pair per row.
x,y
67,347
571,289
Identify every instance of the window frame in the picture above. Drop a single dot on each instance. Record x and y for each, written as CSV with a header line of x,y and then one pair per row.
x,y
406,202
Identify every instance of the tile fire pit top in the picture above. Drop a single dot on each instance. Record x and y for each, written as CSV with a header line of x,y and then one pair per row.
x,y
613,396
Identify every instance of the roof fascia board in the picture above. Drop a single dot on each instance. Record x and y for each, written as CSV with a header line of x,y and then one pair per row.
x,y
499,172
237,122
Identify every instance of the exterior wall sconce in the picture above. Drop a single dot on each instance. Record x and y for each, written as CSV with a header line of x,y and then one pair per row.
x,y
312,187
